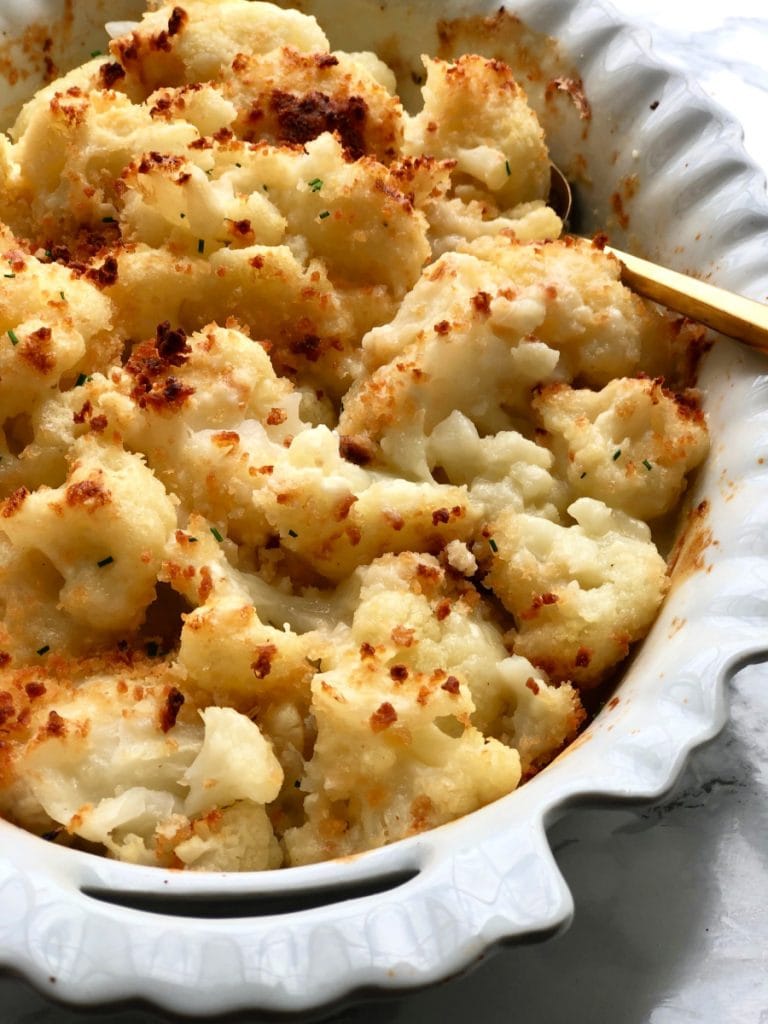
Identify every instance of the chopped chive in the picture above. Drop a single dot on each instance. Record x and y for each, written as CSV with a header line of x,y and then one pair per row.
x,y
81,379
316,184
616,454
182,215
9,275
292,533
509,169
647,465
201,245
43,650
152,649
108,220
13,336
493,545
265,187
95,53
49,254
63,296
216,534
324,214
238,165
583,475
105,561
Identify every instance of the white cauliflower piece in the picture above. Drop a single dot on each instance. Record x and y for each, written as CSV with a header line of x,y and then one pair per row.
x,y
630,444
169,48
600,328
235,763
476,114
501,471
461,341
237,838
104,530
400,704
580,594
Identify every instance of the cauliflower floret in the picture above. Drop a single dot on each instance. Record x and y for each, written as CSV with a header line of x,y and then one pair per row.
x,y
104,530
401,704
336,515
104,758
235,763
629,445
460,341
201,42
476,114
580,594
502,471
237,838
601,329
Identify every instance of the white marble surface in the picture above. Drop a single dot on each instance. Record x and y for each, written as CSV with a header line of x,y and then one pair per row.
x,y
671,921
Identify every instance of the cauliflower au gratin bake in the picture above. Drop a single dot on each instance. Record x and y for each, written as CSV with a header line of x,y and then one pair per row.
x,y
328,467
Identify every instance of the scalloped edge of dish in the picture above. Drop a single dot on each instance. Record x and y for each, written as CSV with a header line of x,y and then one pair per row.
x,y
490,876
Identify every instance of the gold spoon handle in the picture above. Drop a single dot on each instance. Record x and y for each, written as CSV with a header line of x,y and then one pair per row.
x,y
743,319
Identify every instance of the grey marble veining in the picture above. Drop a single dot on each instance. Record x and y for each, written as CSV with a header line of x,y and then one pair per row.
x,y
671,921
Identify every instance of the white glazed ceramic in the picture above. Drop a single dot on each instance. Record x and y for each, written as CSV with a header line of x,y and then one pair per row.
x,y
286,940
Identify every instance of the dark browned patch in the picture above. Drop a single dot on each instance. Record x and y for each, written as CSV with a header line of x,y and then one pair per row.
x,y
383,717
170,710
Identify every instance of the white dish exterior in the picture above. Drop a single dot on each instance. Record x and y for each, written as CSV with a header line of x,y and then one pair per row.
x,y
490,876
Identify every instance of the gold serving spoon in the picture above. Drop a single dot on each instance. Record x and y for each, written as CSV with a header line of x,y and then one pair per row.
x,y
743,319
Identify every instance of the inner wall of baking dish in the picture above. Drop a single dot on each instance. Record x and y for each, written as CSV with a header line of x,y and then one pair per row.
x,y
55,35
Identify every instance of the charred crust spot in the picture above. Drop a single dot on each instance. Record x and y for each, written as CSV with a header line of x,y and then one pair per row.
x,y
441,515
399,673
310,347
276,417
443,327
583,657
383,717
84,412
56,725
343,508
451,685
170,710
262,665
205,589
482,302
7,707
36,350
403,636
89,493
443,609
98,424
111,74
326,60
177,21
105,275
356,449
5,658
367,651
302,118
172,345
532,685
13,502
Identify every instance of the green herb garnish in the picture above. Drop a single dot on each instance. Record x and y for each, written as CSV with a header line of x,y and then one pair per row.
x,y
647,465
9,275
508,168
108,220
616,454
13,336
493,545
43,650
105,561
292,533
216,534
81,379
324,214
201,245
316,184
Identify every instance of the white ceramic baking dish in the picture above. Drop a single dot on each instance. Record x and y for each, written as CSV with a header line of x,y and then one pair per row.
x,y
88,930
